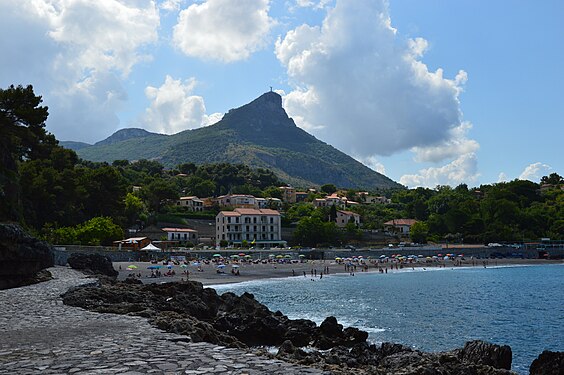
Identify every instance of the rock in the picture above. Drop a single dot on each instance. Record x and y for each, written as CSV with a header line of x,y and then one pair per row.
x,y
21,257
484,353
287,349
94,264
548,363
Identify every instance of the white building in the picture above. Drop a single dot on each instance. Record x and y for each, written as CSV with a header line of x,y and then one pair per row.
x,y
237,200
182,235
262,228
345,217
192,203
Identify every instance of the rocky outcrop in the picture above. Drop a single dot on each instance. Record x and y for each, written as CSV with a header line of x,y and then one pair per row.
x,y
548,363
484,353
241,321
22,257
93,264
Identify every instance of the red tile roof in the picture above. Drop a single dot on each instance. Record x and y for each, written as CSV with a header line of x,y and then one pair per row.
x,y
408,222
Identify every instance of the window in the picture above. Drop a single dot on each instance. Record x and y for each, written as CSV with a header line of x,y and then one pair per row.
x,y
228,219
247,228
254,220
271,220
272,228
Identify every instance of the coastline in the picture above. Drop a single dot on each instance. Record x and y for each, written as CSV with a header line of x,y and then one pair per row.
x,y
254,272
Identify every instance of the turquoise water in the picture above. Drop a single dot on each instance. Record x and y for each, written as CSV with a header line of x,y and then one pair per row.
x,y
433,310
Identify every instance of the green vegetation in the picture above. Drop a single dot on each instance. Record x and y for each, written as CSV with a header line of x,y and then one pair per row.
x,y
62,198
259,135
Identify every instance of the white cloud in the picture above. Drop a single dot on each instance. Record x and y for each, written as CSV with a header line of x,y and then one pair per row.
x,y
223,30
373,163
76,54
534,172
173,108
462,170
312,4
455,145
502,177
170,5
361,87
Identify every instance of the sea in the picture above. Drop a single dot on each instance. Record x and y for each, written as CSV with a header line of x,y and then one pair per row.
x,y
432,309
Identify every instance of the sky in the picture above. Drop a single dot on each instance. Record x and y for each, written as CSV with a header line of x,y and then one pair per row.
x,y
427,92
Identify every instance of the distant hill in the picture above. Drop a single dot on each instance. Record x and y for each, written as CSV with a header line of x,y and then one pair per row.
x,y
125,134
73,145
258,134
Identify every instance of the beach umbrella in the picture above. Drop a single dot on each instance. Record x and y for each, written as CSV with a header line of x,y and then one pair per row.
x,y
221,266
241,254
420,256
216,255
234,256
183,265
235,265
169,266
197,264
439,255
279,256
337,258
271,255
132,267
153,267
287,256
301,256
248,256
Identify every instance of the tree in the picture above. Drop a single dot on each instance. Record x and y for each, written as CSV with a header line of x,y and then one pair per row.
x,y
96,231
133,207
553,179
22,123
419,232
187,168
328,189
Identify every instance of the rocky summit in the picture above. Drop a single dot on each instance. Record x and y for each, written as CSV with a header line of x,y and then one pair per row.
x,y
259,134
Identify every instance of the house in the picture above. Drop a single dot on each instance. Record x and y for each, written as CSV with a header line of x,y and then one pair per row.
x,y
288,194
237,200
399,226
181,235
133,243
366,198
301,196
345,217
193,203
320,202
262,228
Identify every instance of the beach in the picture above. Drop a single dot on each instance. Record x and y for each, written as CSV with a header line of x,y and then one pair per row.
x,y
249,271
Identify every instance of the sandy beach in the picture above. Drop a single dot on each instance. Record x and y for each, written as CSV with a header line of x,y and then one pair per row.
x,y
250,271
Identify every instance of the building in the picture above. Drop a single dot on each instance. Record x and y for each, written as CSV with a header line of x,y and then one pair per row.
x,y
301,196
193,203
372,199
133,243
288,194
399,226
237,200
181,235
345,217
262,228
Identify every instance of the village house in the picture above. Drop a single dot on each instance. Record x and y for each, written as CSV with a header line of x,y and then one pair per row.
x,y
237,200
288,194
399,226
182,235
366,198
262,228
301,196
193,203
345,217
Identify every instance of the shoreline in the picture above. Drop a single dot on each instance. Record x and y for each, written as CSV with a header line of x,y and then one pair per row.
x,y
270,271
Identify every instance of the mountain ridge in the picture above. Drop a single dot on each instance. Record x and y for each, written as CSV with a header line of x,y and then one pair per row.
x,y
259,134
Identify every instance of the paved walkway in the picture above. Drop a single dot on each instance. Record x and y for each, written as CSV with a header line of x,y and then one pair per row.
x,y
40,335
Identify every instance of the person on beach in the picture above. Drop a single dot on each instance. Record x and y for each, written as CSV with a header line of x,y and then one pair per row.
x,y
305,274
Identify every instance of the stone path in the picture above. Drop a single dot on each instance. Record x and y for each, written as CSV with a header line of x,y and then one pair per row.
x,y
40,335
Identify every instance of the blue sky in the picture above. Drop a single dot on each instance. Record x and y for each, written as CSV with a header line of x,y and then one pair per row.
x,y
427,92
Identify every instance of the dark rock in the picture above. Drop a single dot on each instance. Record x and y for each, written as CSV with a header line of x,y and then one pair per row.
x,y
132,280
189,309
548,363
94,264
21,257
484,353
